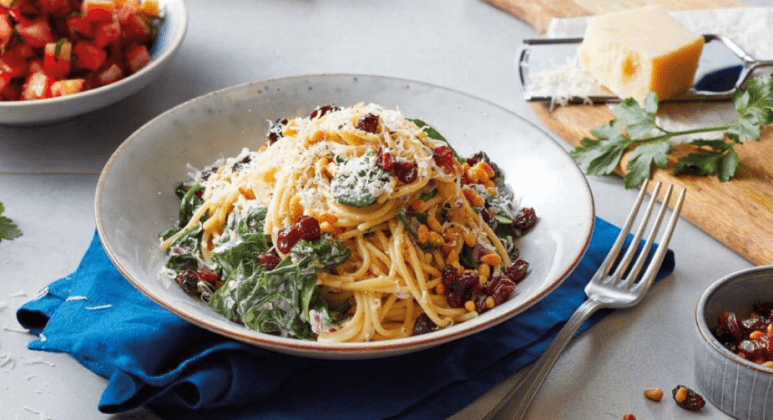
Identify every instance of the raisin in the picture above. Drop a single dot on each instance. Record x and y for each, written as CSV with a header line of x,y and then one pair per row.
x,y
188,281
206,173
500,288
269,260
275,130
287,238
423,325
466,287
444,158
734,327
489,219
753,349
322,110
687,398
449,276
406,171
309,228
753,323
209,276
517,271
368,123
483,157
238,165
384,159
525,219
763,308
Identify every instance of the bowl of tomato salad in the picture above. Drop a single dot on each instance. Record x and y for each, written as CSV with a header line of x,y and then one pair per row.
x,y
63,58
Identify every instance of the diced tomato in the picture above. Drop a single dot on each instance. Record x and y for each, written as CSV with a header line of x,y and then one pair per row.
x,y
5,80
59,8
150,8
137,57
6,29
37,86
106,33
36,32
19,8
111,74
67,87
123,11
134,29
20,51
12,92
36,65
78,26
57,58
98,10
14,65
88,56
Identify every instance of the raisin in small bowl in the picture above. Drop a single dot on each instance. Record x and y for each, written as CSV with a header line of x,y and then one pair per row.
x,y
734,350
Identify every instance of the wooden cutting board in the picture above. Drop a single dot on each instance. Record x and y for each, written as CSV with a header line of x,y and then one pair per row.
x,y
539,12
738,213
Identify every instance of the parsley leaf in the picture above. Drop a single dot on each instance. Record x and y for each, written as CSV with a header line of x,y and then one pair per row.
x,y
8,229
642,159
600,157
636,127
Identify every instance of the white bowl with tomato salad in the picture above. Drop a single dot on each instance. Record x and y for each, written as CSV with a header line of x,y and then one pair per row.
x,y
734,351
63,58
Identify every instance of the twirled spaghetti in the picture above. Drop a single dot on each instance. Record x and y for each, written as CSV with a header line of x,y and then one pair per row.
x,y
352,224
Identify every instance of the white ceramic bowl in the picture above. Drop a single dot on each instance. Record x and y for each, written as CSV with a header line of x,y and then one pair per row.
x,y
46,111
135,200
740,388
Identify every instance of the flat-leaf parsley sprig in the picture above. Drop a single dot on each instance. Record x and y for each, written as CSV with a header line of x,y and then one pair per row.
x,y
8,229
635,126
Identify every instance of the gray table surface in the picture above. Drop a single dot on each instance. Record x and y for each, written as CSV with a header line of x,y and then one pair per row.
x,y
48,177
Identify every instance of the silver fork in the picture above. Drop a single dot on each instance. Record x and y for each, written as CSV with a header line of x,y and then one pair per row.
x,y
605,290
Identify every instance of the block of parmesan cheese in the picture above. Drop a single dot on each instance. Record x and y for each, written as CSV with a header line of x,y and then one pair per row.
x,y
641,50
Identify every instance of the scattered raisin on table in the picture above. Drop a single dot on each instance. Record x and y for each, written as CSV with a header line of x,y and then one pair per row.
x,y
687,398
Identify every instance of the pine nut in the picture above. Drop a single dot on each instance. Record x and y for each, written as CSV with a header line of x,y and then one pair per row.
x,y
654,394
491,259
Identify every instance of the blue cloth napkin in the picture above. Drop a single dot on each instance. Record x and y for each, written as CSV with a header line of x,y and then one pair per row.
x,y
154,359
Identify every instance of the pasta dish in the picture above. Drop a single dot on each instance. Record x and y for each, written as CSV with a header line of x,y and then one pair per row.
x,y
350,224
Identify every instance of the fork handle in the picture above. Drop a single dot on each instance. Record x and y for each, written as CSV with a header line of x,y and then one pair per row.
x,y
522,394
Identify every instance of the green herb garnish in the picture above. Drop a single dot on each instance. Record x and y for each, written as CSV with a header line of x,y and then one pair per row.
x,y
58,47
602,154
435,135
8,229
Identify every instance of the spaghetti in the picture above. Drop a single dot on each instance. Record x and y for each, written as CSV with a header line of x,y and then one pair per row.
x,y
351,224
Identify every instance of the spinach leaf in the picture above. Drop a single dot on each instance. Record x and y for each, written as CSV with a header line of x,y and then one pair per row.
x,y
411,221
279,301
189,203
186,247
426,195
360,181
242,240
435,135
181,189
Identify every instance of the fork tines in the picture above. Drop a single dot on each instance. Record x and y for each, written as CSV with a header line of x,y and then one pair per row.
x,y
622,266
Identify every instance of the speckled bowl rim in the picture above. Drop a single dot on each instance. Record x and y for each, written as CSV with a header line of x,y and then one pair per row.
x,y
703,326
